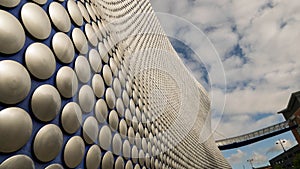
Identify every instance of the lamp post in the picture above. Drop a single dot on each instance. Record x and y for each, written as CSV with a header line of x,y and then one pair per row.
x,y
280,142
250,161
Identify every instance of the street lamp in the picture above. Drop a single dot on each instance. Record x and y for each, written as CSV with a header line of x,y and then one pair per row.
x,y
281,143
250,161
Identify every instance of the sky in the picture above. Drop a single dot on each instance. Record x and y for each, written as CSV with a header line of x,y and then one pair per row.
x,y
248,54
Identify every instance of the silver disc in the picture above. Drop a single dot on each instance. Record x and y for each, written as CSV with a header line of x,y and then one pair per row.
x,y
36,21
40,61
48,142
74,12
15,82
45,103
15,129
63,47
59,17
12,35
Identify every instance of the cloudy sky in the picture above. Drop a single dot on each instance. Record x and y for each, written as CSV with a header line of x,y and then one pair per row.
x,y
256,44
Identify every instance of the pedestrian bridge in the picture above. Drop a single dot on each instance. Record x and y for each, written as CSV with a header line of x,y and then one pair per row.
x,y
249,138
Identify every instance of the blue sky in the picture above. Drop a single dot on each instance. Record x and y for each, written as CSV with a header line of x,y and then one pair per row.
x,y
257,43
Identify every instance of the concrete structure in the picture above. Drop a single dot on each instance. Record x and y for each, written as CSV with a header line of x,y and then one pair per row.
x,y
97,84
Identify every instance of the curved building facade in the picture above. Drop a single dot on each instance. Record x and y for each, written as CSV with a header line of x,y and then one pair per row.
x,y
97,84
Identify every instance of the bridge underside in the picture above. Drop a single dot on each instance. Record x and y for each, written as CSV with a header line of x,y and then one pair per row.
x,y
246,139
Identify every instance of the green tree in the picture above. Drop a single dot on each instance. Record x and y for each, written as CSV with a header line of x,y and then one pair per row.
x,y
278,167
296,161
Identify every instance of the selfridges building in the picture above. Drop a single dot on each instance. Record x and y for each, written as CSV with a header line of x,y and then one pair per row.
x,y
97,84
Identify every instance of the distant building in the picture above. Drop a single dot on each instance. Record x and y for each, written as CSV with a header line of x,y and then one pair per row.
x,y
286,159
292,113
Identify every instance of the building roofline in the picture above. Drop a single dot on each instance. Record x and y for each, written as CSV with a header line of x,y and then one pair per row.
x,y
292,101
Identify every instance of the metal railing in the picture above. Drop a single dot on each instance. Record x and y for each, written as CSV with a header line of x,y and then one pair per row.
x,y
255,136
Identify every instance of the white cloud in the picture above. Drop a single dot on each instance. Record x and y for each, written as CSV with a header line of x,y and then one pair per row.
x,y
237,157
262,79
259,158
234,125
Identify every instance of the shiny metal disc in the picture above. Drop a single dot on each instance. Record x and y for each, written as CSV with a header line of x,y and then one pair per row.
x,y
66,82
91,12
129,165
108,160
15,129
48,142
103,52
113,120
93,157
125,98
141,157
74,151
131,135
12,35
144,144
82,69
117,144
97,31
101,111
123,128
40,61
74,12
132,107
98,85
147,160
119,164
59,17
55,166
63,47
79,40
128,117
86,98
15,82
90,130
137,166
120,107
18,161
106,45
107,75
134,154
9,3
122,79
110,98
71,117
36,21
41,2
101,29
45,102
105,137
92,37
83,11
93,6
114,67
138,141
117,87
95,60
126,149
